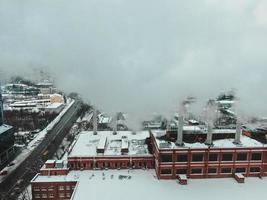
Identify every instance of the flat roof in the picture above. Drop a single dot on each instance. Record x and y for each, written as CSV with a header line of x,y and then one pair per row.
x,y
87,143
4,128
143,184
220,143
58,178
200,129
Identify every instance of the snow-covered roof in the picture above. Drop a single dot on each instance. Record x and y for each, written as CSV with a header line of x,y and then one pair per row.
x,y
4,128
203,130
56,95
192,128
245,142
144,184
87,143
54,105
221,143
226,101
59,178
50,162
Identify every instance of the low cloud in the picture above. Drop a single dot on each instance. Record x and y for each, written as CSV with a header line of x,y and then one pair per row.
x,y
141,57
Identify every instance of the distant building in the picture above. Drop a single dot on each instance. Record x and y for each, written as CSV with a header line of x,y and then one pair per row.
x,y
46,87
50,103
1,108
6,138
20,89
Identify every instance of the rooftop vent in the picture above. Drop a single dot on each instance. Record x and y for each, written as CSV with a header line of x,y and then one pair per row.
x,y
179,140
238,132
95,121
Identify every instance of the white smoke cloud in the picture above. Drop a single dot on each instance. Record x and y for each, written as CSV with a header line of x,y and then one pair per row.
x,y
138,56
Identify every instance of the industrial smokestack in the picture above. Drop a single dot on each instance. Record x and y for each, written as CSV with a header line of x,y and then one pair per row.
x,y
209,134
180,127
1,108
238,132
211,116
179,140
115,125
95,121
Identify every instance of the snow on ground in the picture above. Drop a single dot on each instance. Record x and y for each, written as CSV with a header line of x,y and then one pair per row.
x,y
143,184
35,142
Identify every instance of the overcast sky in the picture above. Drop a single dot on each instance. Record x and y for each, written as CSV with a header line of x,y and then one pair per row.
x,y
140,56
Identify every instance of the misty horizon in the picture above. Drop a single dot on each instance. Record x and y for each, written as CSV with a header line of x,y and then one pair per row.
x,y
140,57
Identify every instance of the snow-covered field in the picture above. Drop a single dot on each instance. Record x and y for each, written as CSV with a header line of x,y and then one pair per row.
x,y
106,185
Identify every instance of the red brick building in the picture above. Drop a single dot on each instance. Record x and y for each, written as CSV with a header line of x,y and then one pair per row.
x,y
126,150
104,150
52,182
223,159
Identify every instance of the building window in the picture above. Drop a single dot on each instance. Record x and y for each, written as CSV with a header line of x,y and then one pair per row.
x,y
166,171
196,171
181,171
198,157
182,158
213,157
226,171
37,196
255,169
61,187
212,170
51,196
61,195
166,158
67,194
240,170
44,189
242,156
44,196
67,187
50,188
227,157
73,187
256,156
35,188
